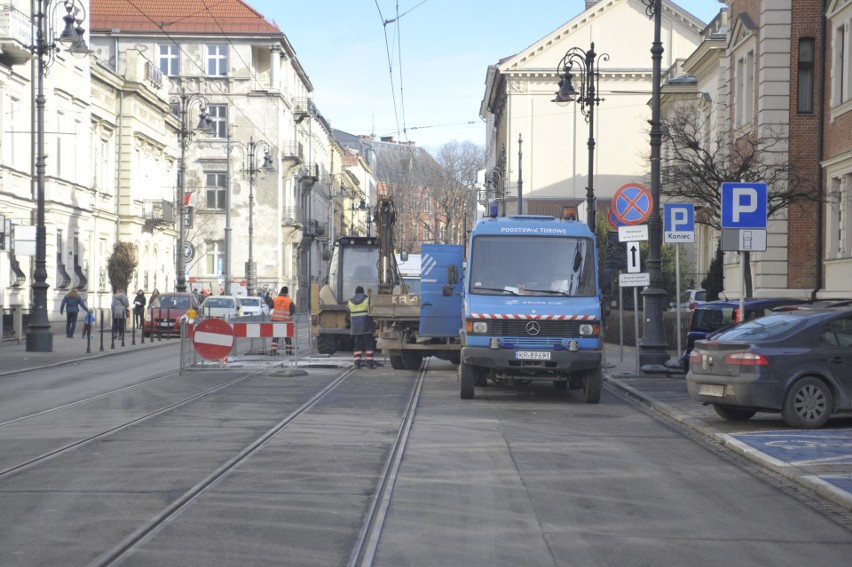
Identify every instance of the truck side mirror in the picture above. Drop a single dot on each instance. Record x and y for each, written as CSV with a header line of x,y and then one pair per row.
x,y
403,256
453,274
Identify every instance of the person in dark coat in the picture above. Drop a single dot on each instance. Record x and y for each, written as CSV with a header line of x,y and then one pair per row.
x,y
139,309
71,305
362,328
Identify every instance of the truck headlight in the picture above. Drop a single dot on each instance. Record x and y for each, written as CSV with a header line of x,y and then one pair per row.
x,y
589,330
479,327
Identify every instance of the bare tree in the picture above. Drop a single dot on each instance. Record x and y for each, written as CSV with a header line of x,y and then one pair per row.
x,y
453,188
698,159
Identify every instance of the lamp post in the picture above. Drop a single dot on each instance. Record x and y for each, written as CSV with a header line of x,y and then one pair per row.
x,y
494,186
184,101
588,66
652,349
39,336
253,170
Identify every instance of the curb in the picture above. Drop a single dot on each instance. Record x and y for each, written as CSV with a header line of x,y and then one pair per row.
x,y
788,471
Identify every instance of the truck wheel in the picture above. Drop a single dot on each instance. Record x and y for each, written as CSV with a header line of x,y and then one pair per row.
x,y
467,374
411,360
325,344
396,362
592,385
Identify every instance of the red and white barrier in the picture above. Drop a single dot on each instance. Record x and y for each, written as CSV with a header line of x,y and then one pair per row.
x,y
255,330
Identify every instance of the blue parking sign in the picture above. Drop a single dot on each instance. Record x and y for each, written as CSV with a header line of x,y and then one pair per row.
x,y
744,205
679,217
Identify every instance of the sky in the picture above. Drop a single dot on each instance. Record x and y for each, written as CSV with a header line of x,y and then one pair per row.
x,y
428,91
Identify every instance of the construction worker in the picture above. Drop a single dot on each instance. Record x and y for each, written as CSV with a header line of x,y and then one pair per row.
x,y
361,328
283,309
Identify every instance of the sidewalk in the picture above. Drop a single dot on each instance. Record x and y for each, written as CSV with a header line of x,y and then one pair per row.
x,y
15,359
820,460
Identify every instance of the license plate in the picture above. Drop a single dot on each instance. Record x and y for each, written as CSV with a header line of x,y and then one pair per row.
x,y
532,355
164,324
711,390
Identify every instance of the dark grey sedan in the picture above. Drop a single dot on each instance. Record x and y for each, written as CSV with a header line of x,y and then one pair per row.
x,y
798,362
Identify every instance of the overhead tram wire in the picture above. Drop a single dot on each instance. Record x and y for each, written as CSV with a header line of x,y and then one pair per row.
x,y
390,63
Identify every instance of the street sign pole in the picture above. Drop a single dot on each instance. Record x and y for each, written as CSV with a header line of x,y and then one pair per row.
x,y
677,294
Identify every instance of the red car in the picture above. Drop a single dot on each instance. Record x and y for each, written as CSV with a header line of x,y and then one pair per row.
x,y
166,312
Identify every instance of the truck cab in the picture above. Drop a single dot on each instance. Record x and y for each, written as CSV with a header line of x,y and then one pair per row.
x,y
532,305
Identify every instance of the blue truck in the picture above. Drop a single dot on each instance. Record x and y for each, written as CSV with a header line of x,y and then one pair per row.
x,y
530,304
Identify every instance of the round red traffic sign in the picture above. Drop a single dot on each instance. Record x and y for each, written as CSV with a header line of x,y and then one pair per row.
x,y
631,205
213,339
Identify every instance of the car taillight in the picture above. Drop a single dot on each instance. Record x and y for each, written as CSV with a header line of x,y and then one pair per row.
x,y
692,305
694,357
746,359
736,317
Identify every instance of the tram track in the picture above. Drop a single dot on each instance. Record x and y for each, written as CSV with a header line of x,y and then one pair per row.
x,y
364,549
64,449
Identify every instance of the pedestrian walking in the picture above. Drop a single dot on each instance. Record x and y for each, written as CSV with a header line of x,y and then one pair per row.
x,y
139,309
120,310
71,305
361,328
88,321
283,310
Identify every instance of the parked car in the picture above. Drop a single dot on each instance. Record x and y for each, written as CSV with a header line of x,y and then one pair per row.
x,y
797,362
253,305
220,306
166,312
712,316
692,298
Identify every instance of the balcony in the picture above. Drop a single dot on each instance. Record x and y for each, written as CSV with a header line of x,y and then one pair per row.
x,y
158,212
15,36
313,228
290,217
293,152
302,108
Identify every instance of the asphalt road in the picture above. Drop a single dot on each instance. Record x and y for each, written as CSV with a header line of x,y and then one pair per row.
x,y
518,476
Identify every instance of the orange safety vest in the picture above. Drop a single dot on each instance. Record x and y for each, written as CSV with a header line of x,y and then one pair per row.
x,y
281,309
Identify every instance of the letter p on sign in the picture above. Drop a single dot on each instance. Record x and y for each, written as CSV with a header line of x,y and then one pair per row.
x,y
744,205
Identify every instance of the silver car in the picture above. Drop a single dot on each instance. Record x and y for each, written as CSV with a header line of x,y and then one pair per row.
x,y
253,305
220,306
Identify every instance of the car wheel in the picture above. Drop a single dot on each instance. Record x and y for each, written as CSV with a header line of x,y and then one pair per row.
x,y
808,404
592,385
731,413
467,375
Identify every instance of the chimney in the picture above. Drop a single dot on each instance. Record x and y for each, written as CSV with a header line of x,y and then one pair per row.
x,y
590,3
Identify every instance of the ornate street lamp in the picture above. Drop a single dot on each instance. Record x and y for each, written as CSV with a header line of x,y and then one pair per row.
x,y
652,349
71,39
588,68
183,102
494,186
252,169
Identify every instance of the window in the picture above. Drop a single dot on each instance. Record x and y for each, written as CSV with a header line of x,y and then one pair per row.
x,y
745,89
805,90
217,60
218,115
170,60
215,257
216,191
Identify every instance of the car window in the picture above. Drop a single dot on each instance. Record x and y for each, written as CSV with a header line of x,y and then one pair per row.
x,y
763,329
700,296
838,333
252,301
710,319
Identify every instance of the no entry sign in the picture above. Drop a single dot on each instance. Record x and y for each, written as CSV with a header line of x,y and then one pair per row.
x,y
213,339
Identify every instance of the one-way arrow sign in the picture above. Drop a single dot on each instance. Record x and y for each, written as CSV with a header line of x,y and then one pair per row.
x,y
633,258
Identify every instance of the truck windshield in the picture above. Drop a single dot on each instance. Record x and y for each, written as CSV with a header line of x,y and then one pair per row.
x,y
532,265
360,268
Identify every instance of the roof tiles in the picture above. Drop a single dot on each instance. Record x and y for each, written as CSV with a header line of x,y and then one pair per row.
x,y
178,16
